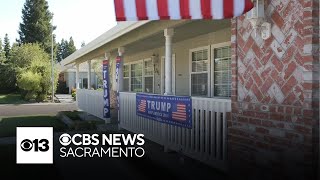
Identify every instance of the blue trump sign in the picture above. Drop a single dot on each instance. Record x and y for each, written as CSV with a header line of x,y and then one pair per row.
x,y
174,110
106,95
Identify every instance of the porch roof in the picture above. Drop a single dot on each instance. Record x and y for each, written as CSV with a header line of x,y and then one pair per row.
x,y
115,32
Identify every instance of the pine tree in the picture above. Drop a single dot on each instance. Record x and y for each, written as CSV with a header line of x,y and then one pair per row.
x,y
7,46
65,49
71,48
36,24
2,54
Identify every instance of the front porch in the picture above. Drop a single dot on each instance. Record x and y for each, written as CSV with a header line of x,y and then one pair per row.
x,y
206,141
191,59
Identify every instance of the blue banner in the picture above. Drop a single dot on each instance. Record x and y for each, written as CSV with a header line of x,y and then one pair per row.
x,y
172,110
106,94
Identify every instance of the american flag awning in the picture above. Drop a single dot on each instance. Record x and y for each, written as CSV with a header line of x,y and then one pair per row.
x,y
134,10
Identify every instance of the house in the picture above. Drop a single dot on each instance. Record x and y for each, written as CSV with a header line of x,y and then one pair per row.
x,y
67,78
255,102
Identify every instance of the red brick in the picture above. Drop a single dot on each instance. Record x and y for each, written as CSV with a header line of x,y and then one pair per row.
x,y
262,130
277,64
277,116
289,85
302,129
255,121
290,69
257,78
266,85
277,19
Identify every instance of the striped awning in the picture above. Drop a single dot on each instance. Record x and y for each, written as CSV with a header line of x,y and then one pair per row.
x,y
134,10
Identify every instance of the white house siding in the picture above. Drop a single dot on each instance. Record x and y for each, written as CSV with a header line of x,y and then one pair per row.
x,y
181,51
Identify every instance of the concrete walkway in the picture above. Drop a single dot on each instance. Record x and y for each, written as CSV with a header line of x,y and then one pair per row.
x,y
35,109
65,98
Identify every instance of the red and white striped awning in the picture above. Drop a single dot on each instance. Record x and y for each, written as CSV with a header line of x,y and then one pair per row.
x,y
134,10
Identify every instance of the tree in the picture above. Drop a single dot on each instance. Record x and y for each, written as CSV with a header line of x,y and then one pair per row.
x,y
33,71
7,46
7,77
65,49
36,24
2,54
71,48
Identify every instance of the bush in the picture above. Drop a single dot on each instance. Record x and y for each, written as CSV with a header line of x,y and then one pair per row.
x,y
33,69
74,93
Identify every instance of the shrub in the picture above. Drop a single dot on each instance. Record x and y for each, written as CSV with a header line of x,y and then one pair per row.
x,y
33,69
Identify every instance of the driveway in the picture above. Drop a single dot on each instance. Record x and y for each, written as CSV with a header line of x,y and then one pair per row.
x,y
36,109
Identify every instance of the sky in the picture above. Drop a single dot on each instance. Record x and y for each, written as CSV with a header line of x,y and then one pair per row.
x,y
84,20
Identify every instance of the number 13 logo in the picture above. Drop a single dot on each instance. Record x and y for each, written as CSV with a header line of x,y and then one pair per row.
x,y
41,145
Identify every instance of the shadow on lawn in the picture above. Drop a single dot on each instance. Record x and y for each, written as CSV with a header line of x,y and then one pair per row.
x,y
8,124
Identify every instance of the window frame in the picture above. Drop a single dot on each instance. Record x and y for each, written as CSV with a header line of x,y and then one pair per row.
x,y
143,74
210,68
203,72
212,57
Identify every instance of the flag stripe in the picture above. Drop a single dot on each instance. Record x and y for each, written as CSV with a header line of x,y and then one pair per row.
x,y
248,6
130,10
206,9
152,9
174,9
217,9
163,9
133,10
141,9
119,8
184,9
195,9
228,8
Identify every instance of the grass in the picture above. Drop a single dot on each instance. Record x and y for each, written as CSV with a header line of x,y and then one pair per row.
x,y
8,124
11,99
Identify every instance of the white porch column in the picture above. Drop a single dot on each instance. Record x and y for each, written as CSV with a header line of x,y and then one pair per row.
x,y
120,53
77,77
168,33
89,74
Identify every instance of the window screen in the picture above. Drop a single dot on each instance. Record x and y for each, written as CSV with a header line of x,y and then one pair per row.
x,y
199,74
222,72
148,76
126,77
136,77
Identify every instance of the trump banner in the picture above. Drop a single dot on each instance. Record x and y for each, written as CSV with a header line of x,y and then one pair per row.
x,y
172,110
106,94
118,64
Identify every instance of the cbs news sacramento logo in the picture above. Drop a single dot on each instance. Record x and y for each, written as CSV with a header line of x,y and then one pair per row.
x,y
35,145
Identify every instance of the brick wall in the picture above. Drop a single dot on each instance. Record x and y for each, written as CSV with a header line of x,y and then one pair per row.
x,y
275,92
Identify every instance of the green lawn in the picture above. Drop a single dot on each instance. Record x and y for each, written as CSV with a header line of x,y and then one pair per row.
x,y
8,124
11,99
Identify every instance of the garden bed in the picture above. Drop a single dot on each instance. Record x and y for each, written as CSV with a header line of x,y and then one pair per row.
x,y
78,120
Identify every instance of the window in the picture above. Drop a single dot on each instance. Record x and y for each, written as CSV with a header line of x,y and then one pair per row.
x,y
199,72
126,77
136,77
211,71
222,71
148,76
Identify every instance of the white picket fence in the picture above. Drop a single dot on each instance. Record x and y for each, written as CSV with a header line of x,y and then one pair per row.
x,y
206,141
91,101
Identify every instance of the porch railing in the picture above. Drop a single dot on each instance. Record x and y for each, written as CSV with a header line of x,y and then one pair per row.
x,y
206,141
90,101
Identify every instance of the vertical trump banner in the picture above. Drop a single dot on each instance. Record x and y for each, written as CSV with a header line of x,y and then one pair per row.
x,y
118,64
106,94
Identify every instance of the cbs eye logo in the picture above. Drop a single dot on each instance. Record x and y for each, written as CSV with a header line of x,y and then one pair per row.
x,y
65,139
41,145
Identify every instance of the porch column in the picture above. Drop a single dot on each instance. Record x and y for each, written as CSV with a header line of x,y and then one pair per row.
x,y
77,77
120,83
168,33
89,74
